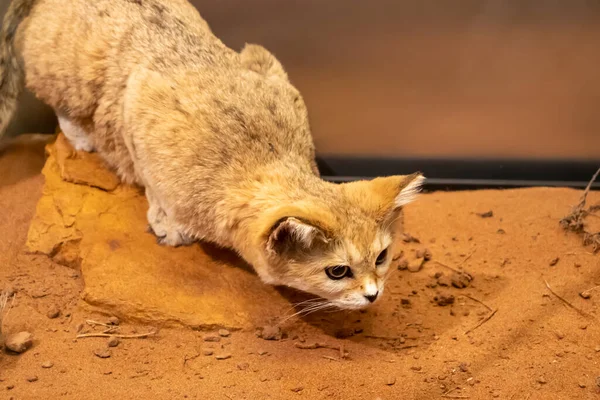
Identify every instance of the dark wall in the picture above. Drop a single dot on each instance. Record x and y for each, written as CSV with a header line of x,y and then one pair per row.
x,y
475,78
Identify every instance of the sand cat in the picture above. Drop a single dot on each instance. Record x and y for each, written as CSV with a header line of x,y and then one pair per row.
x,y
220,140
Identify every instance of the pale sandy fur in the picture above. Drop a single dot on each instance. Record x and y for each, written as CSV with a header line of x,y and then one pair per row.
x,y
219,139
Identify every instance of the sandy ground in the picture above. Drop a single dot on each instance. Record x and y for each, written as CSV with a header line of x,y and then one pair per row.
x,y
530,344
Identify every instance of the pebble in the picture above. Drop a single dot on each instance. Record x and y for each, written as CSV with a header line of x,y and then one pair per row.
x,y
53,312
391,380
10,387
416,265
402,264
207,352
243,366
224,332
32,378
297,389
102,353
581,385
19,342
113,321
113,341
223,356
444,300
47,364
262,352
559,335
541,380
270,332
212,338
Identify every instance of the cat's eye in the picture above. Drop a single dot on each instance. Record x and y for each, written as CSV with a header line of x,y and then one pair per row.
x,y
381,257
338,272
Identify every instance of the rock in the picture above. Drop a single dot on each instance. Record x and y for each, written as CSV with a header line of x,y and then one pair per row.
x,y
53,312
207,352
424,253
223,356
402,264
10,387
390,380
19,342
209,337
113,321
585,295
95,224
297,389
501,231
554,261
47,364
102,353
487,214
541,380
270,332
243,366
32,378
405,301
559,335
224,333
416,265
113,341
444,300
444,281
461,280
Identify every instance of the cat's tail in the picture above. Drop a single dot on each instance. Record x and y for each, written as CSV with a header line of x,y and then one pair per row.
x,y
12,79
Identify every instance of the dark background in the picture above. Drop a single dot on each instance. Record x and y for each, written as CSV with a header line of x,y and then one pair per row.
x,y
426,80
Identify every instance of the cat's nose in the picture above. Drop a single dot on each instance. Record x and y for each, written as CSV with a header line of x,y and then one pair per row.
x,y
372,297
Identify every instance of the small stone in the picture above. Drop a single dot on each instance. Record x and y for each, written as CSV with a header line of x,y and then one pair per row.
x,y
223,356
390,380
559,335
243,366
262,352
554,261
207,352
416,368
464,367
113,321
402,264
19,342
79,327
113,341
597,349
10,387
211,338
501,231
416,265
487,214
47,364
541,380
577,265
461,280
270,332
444,300
224,333
53,312
405,302
32,378
444,280
102,353
581,385
297,389
585,295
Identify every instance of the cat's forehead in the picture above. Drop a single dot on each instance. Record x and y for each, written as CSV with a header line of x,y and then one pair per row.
x,y
357,248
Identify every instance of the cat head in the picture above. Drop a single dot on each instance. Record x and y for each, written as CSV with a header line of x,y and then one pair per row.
x,y
339,246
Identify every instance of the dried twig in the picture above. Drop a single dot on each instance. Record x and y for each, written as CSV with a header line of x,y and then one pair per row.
x,y
466,258
483,321
565,301
137,336
441,264
478,301
575,220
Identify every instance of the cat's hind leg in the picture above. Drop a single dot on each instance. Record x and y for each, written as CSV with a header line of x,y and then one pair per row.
x,y
75,132
167,232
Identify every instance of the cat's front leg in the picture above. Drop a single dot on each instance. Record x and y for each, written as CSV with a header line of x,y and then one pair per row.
x,y
167,232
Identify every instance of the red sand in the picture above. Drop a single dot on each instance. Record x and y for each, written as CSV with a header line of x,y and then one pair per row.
x,y
533,347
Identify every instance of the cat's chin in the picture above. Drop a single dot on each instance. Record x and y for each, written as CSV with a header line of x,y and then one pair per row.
x,y
351,305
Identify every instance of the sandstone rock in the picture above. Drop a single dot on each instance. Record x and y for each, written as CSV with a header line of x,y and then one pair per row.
x,y
123,268
19,342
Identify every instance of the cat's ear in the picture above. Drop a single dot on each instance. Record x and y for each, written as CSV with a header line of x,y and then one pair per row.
x,y
291,235
258,59
385,195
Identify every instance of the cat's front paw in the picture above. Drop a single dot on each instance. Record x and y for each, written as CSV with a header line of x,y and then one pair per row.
x,y
167,233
